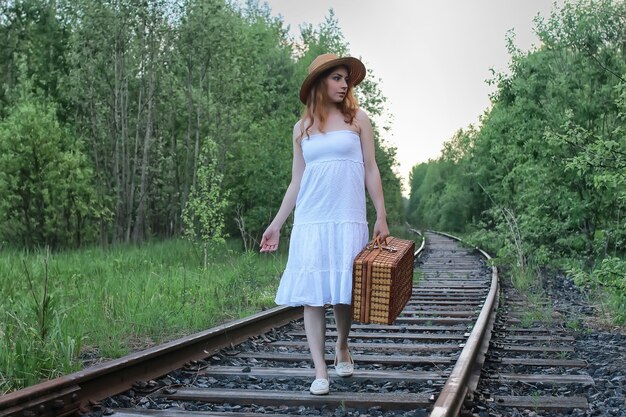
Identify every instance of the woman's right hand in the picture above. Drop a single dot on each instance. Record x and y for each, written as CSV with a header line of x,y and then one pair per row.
x,y
269,241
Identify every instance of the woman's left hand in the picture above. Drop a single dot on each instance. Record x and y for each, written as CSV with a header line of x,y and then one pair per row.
x,y
381,229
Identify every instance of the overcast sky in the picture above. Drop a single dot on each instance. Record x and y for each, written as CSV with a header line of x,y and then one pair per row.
x,y
433,58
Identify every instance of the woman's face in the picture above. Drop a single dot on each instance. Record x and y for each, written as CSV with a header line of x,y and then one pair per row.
x,y
337,84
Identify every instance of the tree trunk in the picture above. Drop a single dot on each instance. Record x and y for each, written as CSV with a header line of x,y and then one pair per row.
x,y
196,149
186,168
131,187
117,153
138,230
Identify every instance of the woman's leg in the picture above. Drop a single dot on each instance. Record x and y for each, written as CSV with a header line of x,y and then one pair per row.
x,y
315,328
343,319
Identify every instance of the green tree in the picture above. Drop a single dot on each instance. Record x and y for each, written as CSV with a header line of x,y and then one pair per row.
x,y
32,32
45,179
203,215
143,84
547,163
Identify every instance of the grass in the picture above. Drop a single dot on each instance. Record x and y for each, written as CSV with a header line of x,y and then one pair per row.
x,y
60,309
417,276
535,396
540,309
563,355
576,324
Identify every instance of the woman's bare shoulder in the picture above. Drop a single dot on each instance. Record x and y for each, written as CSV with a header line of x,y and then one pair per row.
x,y
299,129
361,115
362,120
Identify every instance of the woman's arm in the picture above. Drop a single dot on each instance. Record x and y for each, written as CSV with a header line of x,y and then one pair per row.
x,y
271,237
373,182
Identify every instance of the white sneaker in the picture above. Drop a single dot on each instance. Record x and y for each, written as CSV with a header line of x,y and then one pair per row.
x,y
320,386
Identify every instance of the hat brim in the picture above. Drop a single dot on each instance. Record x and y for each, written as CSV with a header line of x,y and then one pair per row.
x,y
356,72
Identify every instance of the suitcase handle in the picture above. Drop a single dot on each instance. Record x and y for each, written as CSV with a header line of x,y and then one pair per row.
x,y
378,244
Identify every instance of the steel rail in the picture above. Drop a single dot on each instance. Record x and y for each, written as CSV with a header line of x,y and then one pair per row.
x,y
464,373
71,394
419,250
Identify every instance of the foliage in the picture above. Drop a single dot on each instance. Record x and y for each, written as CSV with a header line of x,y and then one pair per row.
x,y
144,85
33,38
541,180
609,277
203,215
45,179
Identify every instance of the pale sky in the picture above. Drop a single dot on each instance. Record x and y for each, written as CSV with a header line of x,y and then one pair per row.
x,y
432,58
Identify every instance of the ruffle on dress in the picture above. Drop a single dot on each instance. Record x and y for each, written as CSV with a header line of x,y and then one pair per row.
x,y
319,269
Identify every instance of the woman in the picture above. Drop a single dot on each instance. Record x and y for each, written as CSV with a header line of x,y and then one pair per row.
x,y
333,163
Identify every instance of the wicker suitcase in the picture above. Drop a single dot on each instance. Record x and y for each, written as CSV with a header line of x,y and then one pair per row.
x,y
382,280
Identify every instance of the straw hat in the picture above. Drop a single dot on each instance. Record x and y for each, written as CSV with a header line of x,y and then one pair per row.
x,y
356,71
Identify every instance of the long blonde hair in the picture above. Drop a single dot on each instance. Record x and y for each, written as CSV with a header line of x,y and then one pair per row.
x,y
315,109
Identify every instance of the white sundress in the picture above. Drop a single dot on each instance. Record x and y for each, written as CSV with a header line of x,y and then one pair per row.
x,y
330,226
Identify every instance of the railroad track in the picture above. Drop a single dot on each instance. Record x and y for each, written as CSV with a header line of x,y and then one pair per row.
x,y
531,363
429,360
